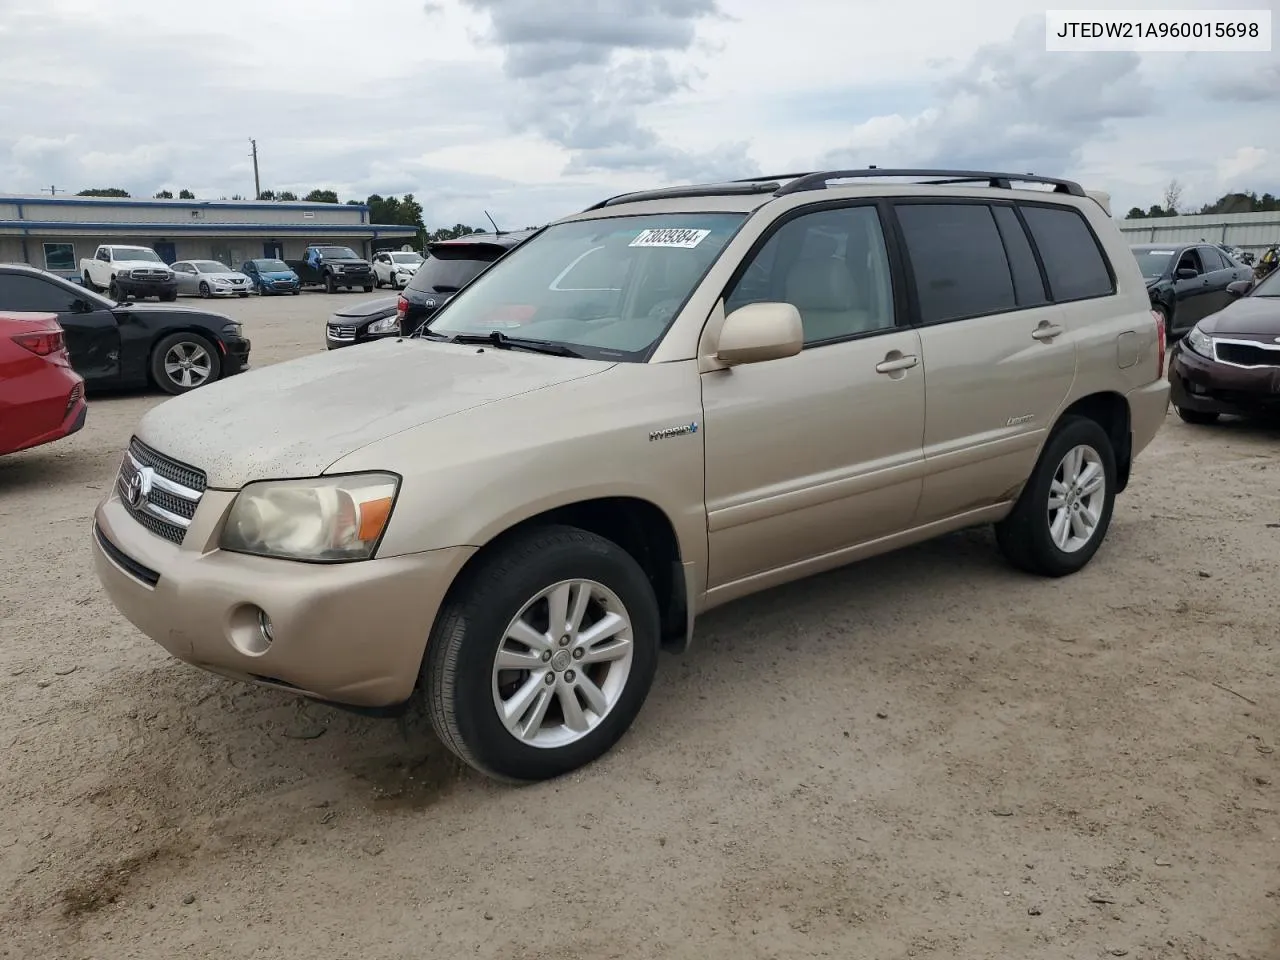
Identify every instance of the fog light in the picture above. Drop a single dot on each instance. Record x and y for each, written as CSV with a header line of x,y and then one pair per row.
x,y
264,624
251,631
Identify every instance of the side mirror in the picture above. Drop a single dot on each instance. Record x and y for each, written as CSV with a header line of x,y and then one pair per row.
x,y
1186,273
759,332
1238,288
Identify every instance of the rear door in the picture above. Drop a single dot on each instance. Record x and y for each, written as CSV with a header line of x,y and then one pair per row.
x,y
998,358
92,335
1219,273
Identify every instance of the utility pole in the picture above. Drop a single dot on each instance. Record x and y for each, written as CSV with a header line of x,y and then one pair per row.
x,y
257,184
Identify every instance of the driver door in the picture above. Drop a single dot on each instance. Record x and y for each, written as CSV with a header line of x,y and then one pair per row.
x,y
1194,293
812,455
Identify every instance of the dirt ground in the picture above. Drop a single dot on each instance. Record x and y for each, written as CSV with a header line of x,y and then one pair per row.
x,y
922,755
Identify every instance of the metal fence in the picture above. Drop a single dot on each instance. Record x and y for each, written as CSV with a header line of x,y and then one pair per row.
x,y
1253,232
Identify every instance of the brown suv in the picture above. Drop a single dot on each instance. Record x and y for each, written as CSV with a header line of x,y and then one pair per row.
x,y
668,401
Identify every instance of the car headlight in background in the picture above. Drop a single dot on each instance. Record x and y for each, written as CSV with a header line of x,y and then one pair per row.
x,y
328,519
1201,343
389,324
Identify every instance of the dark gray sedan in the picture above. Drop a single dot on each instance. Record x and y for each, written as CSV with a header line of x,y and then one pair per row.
x,y
363,322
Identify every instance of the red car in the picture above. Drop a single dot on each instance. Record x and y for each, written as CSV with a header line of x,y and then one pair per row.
x,y
41,397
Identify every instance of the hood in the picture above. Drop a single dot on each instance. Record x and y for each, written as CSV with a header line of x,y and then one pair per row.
x,y
295,419
140,264
164,309
1248,316
343,261
227,275
369,308
278,274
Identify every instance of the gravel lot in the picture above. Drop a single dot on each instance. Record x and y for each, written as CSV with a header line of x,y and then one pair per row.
x,y
924,755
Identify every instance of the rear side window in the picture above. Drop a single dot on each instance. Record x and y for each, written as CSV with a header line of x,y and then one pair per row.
x,y
958,260
1212,259
1028,285
1072,258
450,267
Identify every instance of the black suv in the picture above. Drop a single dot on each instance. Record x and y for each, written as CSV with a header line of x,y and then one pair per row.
x,y
129,344
449,266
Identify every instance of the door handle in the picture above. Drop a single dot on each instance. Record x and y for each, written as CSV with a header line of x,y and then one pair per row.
x,y
895,364
1046,332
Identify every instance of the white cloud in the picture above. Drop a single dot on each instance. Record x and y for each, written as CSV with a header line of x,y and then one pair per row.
x,y
530,109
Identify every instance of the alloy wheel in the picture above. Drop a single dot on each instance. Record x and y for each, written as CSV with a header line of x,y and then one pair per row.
x,y
1077,495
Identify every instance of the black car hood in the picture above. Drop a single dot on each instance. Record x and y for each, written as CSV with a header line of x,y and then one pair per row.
x,y
346,263
158,310
370,309
1248,316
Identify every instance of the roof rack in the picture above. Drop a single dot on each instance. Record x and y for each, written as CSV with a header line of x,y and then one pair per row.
x,y
734,189
776,176
1002,181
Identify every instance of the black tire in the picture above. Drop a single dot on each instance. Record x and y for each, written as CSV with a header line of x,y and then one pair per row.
x,y
1024,536
368,289
205,292
169,297
377,281
295,292
243,296
1197,417
114,292
89,283
161,349
329,285
456,685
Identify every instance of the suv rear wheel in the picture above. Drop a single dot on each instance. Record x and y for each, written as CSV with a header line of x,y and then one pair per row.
x,y
1065,509
544,657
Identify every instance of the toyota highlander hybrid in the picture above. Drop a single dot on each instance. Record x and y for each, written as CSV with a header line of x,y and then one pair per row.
x,y
711,390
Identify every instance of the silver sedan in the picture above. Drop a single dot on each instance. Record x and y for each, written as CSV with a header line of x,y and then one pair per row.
x,y
209,278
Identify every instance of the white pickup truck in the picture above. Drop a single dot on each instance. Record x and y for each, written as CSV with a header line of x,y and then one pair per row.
x,y
125,271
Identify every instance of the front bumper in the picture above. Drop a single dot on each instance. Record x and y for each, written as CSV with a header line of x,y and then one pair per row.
x,y
147,288
241,291
236,356
349,633
1208,386
278,286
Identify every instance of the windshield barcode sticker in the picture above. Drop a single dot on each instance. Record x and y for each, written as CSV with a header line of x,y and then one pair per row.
x,y
670,237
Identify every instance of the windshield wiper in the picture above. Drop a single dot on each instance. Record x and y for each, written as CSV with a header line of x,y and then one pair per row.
x,y
496,338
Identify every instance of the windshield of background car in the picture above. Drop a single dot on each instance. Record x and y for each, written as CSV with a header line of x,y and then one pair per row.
x,y
137,253
211,266
339,253
1152,263
271,266
406,258
606,288
1270,287
452,265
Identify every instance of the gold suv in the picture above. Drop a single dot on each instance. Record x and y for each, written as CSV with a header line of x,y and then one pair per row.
x,y
660,404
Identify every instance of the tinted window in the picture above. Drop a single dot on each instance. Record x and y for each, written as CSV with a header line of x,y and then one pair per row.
x,y
1212,259
958,260
33,294
1190,260
451,267
832,266
1028,285
1071,256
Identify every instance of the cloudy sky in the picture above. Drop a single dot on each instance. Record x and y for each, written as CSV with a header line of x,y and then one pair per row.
x,y
530,108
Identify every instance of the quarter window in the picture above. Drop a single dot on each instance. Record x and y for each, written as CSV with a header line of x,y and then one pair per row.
x,y
1071,255
832,266
1028,285
60,257
958,260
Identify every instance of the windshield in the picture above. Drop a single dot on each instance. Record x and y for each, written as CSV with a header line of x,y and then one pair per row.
x,y
1152,263
338,253
1270,287
211,266
271,266
406,258
607,288
136,253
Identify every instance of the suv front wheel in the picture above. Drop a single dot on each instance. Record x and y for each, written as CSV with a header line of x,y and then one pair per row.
x,y
1065,509
543,658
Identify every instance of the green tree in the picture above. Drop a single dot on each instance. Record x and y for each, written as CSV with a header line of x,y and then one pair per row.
x,y
103,192
322,196
287,196
267,195
186,195
450,233
163,195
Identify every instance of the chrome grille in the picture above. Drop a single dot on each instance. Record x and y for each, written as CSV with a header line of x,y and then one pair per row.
x,y
342,331
160,493
1246,353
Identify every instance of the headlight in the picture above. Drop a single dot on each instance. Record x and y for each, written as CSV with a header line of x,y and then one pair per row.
x,y
389,324
338,268
328,519
1201,343
232,329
